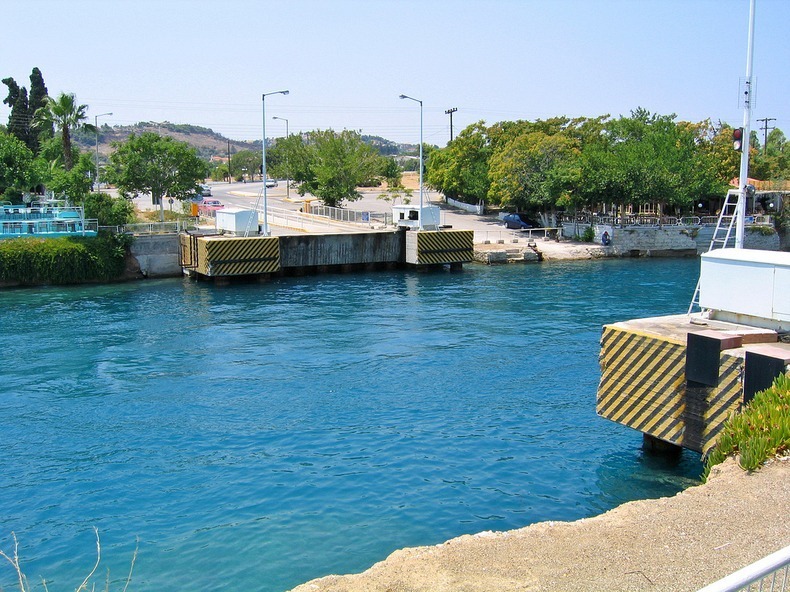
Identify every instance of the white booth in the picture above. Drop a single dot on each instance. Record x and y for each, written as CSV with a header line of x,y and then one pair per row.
x,y
409,216
237,221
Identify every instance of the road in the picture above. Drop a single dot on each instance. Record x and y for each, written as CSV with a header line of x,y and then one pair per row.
x,y
247,195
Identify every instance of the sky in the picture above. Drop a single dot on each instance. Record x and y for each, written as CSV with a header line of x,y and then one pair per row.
x,y
346,62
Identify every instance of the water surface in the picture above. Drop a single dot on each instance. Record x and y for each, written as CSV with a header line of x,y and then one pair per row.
x,y
257,436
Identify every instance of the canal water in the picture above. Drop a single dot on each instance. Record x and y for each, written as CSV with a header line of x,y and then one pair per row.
x,y
256,436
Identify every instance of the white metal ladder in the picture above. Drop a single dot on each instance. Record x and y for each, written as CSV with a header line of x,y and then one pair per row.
x,y
721,234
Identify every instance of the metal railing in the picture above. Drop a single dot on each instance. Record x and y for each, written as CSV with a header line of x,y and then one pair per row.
x,y
771,573
503,236
159,227
343,215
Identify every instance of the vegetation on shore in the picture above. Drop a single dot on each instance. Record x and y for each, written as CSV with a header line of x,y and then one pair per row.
x,y
63,260
759,432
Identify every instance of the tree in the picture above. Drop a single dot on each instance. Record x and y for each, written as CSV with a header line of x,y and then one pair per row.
x,y
246,162
535,170
15,164
648,158
460,170
38,99
75,183
108,210
332,165
19,118
161,166
66,115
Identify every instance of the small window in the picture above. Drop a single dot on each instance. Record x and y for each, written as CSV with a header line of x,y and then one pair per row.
x,y
414,214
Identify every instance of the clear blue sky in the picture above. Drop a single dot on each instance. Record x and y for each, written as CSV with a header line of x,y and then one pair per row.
x,y
346,62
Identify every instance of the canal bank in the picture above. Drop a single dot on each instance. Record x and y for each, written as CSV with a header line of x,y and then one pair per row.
x,y
670,544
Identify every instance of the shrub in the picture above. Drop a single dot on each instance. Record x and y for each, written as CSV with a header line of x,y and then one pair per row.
x,y
759,432
63,260
761,230
588,235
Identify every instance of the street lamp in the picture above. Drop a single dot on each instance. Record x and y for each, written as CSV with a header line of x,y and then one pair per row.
x,y
287,170
96,125
420,102
263,165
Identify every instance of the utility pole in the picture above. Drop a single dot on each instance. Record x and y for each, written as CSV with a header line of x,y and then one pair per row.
x,y
765,129
230,174
450,113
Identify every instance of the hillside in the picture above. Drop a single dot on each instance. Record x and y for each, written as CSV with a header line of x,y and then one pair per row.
x,y
207,142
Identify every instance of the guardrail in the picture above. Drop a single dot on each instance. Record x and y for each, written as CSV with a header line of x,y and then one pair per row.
x,y
344,215
646,220
503,236
158,227
770,573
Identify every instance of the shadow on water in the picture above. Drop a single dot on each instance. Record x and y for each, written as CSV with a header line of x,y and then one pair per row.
x,y
639,473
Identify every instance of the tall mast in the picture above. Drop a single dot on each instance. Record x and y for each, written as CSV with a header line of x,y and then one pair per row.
x,y
747,122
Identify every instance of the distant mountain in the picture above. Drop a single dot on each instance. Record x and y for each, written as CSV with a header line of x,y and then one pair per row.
x,y
207,142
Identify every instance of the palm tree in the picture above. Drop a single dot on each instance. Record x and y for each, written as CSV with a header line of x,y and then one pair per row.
x,y
66,115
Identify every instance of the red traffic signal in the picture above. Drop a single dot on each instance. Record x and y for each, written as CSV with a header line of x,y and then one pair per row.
x,y
737,139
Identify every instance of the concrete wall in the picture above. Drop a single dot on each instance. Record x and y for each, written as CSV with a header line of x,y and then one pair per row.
x,y
158,255
341,249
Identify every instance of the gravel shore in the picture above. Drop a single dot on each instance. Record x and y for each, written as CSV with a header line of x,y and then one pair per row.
x,y
674,544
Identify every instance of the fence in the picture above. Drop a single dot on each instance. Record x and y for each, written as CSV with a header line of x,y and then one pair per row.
x,y
769,573
156,227
647,220
528,234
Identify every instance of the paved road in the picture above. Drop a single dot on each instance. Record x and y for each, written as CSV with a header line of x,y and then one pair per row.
x,y
248,195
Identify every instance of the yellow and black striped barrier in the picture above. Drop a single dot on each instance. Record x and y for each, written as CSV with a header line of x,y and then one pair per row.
x,y
429,247
218,256
643,386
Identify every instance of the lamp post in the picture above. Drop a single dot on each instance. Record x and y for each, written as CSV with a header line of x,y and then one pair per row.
x,y
287,170
420,102
263,165
96,125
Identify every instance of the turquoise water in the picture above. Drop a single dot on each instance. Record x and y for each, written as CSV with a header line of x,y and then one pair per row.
x,y
257,436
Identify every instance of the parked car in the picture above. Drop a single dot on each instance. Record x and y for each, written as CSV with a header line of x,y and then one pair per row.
x,y
205,190
514,221
271,182
212,204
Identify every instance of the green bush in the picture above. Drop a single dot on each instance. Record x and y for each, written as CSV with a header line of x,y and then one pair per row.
x,y
63,260
761,230
759,432
588,235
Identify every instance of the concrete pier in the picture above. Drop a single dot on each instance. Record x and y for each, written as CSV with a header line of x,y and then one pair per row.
x,y
678,381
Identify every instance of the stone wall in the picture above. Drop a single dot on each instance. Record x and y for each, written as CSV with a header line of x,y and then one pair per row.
x,y
652,241
647,241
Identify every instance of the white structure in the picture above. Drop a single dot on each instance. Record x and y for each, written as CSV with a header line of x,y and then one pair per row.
x,y
409,216
237,221
747,286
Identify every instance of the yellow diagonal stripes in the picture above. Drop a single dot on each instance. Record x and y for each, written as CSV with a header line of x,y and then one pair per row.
x,y
446,246
643,386
238,255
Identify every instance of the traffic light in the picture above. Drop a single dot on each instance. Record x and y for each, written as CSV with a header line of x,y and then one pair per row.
x,y
737,139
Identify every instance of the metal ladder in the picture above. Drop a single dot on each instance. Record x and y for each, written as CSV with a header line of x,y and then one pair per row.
x,y
721,234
